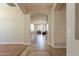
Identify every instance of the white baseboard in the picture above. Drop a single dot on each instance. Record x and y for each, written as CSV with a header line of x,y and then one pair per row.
x,y
11,42
51,44
27,43
14,43
54,46
59,47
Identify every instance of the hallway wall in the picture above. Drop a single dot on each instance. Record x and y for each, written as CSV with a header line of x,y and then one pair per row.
x,y
60,28
51,28
27,29
57,27
11,25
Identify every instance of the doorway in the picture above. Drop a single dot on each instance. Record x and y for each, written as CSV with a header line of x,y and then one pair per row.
x,y
39,30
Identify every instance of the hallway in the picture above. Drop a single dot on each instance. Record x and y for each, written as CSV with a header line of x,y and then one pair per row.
x,y
19,23
39,46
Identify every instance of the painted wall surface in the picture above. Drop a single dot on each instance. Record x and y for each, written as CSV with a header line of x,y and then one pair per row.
x,y
27,29
51,28
60,28
11,25
57,28
72,44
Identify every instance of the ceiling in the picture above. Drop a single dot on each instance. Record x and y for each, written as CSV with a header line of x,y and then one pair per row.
x,y
39,18
35,7
43,8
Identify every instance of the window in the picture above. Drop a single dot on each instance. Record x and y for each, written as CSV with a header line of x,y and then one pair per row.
x,y
43,27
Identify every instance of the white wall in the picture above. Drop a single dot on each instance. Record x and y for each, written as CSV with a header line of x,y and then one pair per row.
x,y
27,29
57,28
11,25
60,28
51,28
72,44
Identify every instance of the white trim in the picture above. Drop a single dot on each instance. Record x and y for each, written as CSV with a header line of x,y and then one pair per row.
x,y
11,42
27,43
59,46
51,44
14,43
54,46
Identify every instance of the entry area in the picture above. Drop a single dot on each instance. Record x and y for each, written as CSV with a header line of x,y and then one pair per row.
x,y
33,29
39,30
39,38
40,47
39,25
